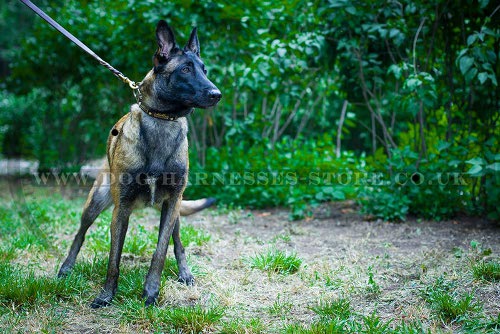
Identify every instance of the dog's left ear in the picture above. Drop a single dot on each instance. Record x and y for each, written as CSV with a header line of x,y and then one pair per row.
x,y
166,42
193,45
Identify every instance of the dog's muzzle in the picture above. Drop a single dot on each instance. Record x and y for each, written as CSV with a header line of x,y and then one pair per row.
x,y
214,95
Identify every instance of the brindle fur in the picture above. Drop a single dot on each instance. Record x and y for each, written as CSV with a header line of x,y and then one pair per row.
x,y
148,163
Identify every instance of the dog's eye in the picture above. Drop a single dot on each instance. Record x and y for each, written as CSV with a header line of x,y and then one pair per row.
x,y
186,69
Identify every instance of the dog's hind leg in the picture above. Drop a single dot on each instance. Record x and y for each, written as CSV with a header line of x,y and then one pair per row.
x,y
185,275
98,200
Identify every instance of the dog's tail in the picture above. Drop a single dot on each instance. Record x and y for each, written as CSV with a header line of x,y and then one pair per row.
x,y
190,207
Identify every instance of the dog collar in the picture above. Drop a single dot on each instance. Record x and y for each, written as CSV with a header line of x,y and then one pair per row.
x,y
154,112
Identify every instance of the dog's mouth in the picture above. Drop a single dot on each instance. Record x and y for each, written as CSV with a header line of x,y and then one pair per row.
x,y
208,105
202,104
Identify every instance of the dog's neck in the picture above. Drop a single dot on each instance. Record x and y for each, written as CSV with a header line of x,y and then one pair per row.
x,y
154,106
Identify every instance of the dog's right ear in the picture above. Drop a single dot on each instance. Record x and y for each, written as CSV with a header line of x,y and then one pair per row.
x,y
166,42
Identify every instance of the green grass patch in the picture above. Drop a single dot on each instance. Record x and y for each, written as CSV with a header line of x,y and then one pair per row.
x,y
373,288
448,304
22,288
277,261
486,271
358,323
322,327
280,308
194,319
35,222
334,309
7,252
411,327
372,324
243,326
193,236
187,319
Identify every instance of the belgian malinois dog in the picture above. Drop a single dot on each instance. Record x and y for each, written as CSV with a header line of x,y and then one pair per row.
x,y
147,161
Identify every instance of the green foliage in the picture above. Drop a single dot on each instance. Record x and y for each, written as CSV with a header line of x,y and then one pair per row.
x,y
416,81
295,174
384,202
438,186
419,79
277,261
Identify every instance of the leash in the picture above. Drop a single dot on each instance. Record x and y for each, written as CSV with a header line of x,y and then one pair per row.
x,y
58,27
132,84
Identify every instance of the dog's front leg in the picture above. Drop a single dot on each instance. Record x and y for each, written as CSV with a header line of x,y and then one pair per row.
x,y
169,215
119,225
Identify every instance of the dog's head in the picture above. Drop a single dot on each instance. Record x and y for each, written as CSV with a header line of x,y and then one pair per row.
x,y
180,77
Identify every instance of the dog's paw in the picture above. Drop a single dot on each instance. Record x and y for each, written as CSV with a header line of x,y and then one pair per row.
x,y
98,303
149,298
62,274
150,301
64,271
103,300
187,279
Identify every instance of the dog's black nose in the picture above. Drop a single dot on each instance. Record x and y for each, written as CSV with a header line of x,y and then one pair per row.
x,y
214,94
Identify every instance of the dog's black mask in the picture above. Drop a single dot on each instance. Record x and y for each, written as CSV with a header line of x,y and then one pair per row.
x,y
181,79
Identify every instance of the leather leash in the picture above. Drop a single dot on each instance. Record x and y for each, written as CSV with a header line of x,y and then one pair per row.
x,y
85,48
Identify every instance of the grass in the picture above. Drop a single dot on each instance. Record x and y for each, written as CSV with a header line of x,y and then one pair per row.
x,y
242,326
487,271
447,303
276,261
280,308
333,293
330,327
186,319
372,288
359,323
193,236
23,288
339,308
373,324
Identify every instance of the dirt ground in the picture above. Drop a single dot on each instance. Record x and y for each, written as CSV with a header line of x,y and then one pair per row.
x,y
338,248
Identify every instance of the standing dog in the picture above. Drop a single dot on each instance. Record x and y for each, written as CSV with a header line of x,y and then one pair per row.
x,y
148,161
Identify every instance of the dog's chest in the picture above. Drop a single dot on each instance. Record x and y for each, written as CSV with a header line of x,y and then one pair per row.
x,y
161,168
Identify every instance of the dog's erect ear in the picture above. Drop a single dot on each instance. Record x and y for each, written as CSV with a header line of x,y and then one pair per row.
x,y
166,42
193,45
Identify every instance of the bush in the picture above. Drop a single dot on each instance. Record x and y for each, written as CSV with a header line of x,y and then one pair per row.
x,y
297,174
437,187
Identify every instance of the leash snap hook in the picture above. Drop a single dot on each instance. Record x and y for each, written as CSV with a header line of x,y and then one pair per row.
x,y
133,84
